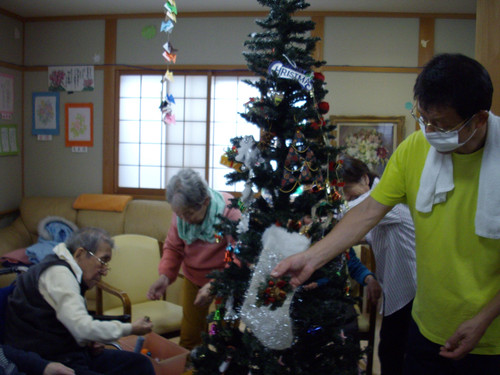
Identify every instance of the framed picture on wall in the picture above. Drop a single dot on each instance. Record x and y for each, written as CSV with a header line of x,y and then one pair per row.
x,y
45,113
79,124
6,96
369,138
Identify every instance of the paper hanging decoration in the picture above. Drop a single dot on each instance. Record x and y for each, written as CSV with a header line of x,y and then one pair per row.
x,y
166,106
169,53
167,26
169,76
171,7
170,56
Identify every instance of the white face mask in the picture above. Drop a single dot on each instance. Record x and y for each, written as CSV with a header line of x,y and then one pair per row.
x,y
445,142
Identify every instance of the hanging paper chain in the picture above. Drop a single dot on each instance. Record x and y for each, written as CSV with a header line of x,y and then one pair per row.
x,y
170,55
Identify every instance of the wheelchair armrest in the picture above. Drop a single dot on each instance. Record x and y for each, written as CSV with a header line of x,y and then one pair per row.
x,y
101,285
13,269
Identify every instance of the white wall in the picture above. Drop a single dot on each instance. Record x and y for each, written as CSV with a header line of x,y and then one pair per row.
x,y
371,94
200,41
364,41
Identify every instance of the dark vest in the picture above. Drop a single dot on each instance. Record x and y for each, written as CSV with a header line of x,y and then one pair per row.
x,y
31,322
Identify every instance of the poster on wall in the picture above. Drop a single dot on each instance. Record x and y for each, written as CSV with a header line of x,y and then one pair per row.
x,y
71,78
79,124
6,95
8,140
45,113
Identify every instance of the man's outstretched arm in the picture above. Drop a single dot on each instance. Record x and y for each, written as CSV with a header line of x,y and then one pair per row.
x,y
348,232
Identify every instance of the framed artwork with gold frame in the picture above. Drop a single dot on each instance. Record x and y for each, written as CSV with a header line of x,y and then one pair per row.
x,y
371,139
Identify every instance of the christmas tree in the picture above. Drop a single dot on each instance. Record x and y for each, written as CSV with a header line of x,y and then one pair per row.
x,y
261,325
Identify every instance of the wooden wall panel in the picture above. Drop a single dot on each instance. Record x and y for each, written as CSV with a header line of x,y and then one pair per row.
x,y
488,44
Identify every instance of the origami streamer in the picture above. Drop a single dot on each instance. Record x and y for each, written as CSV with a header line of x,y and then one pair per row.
x,y
167,26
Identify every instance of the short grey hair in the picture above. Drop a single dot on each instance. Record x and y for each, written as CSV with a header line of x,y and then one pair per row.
x,y
187,189
89,238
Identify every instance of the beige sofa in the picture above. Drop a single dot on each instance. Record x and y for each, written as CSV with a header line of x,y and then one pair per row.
x,y
148,217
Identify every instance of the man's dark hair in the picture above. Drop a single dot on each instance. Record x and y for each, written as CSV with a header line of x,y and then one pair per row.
x,y
454,80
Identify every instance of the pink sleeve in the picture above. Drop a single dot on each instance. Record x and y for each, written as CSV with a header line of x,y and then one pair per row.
x,y
230,213
173,253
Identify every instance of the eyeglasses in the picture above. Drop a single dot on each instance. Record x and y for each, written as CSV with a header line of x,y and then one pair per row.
x,y
103,263
418,117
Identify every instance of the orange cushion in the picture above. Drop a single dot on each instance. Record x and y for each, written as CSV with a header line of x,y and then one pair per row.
x,y
102,202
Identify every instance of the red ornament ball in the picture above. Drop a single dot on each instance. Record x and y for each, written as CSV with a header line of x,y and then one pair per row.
x,y
316,125
323,107
319,76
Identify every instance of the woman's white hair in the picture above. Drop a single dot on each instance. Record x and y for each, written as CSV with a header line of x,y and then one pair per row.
x,y
187,189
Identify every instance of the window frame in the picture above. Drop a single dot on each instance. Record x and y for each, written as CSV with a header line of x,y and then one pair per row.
x,y
111,159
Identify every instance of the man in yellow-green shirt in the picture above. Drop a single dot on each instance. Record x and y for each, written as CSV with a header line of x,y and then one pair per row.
x,y
448,174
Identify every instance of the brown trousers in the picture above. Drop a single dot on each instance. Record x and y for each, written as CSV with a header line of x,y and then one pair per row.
x,y
194,318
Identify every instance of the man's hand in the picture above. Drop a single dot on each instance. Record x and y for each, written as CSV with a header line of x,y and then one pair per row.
x,y
470,332
464,339
56,368
348,231
203,298
297,266
157,290
373,289
142,326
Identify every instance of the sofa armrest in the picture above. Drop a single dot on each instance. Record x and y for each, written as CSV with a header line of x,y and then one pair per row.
x,y
14,236
122,295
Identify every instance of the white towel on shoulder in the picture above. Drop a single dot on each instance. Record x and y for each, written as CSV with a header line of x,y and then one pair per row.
x,y
437,180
